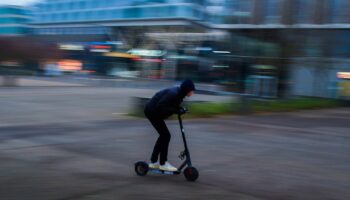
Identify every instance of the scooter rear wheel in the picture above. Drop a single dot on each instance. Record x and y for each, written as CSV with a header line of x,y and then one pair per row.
x,y
191,174
141,168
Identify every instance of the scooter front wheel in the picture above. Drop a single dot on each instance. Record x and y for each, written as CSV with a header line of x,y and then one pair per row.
x,y
141,168
191,174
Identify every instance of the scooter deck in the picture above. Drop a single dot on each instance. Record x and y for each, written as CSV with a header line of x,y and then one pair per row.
x,y
158,171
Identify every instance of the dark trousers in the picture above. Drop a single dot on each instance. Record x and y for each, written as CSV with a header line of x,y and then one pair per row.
x,y
161,147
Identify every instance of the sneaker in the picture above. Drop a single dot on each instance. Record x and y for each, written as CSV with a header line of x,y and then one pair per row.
x,y
168,167
154,165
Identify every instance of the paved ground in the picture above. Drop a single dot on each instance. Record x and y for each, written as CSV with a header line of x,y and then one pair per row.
x,y
96,81
65,143
301,155
35,105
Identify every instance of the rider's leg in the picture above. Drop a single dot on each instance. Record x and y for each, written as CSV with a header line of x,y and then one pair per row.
x,y
162,144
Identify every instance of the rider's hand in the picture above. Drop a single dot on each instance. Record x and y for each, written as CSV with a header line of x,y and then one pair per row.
x,y
182,111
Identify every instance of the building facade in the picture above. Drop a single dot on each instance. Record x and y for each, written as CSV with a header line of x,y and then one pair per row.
x,y
14,21
96,17
310,36
281,13
284,42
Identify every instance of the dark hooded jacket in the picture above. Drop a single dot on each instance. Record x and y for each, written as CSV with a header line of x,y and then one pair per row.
x,y
167,102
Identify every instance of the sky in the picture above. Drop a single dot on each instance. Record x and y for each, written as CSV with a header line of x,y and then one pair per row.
x,y
18,2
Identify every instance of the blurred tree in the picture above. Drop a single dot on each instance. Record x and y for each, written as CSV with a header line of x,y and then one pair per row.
x,y
26,51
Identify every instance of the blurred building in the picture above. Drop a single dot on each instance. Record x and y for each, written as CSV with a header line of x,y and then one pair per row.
x,y
123,23
14,20
108,17
306,41
278,13
263,47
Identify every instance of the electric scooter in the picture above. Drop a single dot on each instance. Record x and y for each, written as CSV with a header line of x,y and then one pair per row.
x,y
190,172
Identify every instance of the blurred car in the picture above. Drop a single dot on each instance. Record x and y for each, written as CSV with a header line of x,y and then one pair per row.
x,y
123,73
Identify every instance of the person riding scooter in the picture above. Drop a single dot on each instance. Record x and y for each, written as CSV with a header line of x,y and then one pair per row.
x,y
162,105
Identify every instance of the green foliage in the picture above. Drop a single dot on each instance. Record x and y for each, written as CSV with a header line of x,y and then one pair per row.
x,y
212,109
292,104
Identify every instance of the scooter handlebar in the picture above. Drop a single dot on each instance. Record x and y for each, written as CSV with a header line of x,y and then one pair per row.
x,y
182,111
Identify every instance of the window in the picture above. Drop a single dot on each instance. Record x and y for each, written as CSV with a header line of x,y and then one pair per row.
x,y
86,15
94,15
82,4
54,17
59,16
273,11
102,14
75,16
198,14
44,18
338,11
339,43
116,14
90,4
75,5
65,6
50,7
64,16
69,16
132,12
57,6
107,14
6,20
304,11
79,16
238,12
82,15
184,11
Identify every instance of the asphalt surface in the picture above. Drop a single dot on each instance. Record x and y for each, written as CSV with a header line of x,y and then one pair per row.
x,y
64,144
102,81
52,104
290,156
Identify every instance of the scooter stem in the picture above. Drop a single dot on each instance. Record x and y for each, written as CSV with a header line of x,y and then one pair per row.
x,y
187,153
